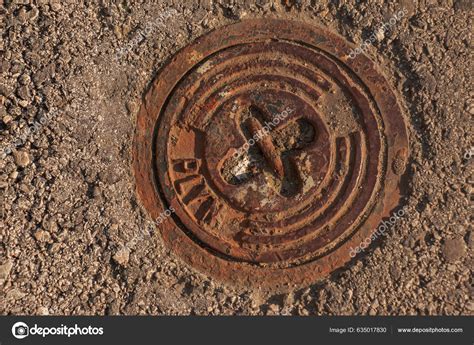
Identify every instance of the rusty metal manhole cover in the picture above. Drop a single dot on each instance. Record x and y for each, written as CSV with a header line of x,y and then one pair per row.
x,y
277,152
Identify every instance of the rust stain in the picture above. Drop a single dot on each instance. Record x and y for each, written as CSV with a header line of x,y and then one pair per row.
x,y
286,210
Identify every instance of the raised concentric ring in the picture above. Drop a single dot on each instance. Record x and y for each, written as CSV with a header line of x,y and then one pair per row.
x,y
288,207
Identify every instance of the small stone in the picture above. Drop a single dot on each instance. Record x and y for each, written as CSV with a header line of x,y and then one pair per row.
x,y
470,306
304,312
42,236
33,14
24,92
22,158
55,5
289,300
431,308
109,176
122,256
205,23
42,311
348,294
454,249
24,79
118,32
470,110
14,175
273,309
15,294
395,272
55,247
463,5
21,15
7,119
132,107
23,103
264,4
5,270
3,184
257,299
470,240
113,308
96,193
380,35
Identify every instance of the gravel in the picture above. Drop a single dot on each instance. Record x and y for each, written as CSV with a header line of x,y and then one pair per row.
x,y
69,210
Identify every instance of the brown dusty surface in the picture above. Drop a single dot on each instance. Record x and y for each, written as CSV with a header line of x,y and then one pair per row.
x,y
68,190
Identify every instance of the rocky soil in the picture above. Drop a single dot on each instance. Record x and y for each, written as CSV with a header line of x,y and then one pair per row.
x,y
73,74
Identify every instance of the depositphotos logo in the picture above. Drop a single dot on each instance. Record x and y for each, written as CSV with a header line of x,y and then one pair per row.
x,y
21,330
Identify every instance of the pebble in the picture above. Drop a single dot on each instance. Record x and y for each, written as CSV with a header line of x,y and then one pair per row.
x,y
24,92
42,311
463,5
470,110
454,249
15,294
33,14
273,309
42,236
348,295
380,35
122,256
55,247
7,119
22,158
132,107
304,312
5,269
55,6
23,103
470,306
14,175
470,240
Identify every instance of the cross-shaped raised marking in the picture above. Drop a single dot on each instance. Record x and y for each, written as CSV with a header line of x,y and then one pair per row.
x,y
272,145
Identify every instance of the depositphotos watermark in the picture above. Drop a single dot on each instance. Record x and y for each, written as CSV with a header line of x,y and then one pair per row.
x,y
263,132
380,231
161,218
378,34
21,330
159,22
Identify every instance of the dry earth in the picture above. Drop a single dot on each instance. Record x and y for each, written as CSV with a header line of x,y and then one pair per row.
x,y
67,189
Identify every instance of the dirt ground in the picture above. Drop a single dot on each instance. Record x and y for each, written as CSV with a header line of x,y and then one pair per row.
x,y
75,72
